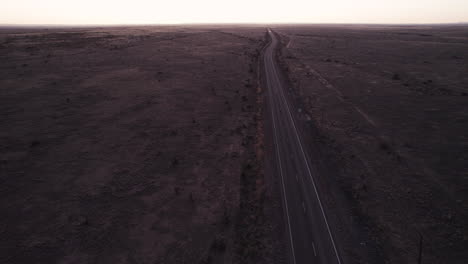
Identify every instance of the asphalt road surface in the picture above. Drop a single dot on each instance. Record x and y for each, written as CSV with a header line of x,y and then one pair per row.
x,y
309,232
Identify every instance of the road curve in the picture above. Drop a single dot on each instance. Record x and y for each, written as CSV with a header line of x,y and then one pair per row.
x,y
309,232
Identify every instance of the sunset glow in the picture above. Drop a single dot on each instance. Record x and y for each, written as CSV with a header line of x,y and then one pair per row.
x,y
240,11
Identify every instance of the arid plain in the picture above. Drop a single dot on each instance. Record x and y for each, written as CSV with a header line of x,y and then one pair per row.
x,y
146,144
127,145
389,106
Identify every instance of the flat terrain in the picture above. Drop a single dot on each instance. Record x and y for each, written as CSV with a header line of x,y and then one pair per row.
x,y
131,145
390,106
155,144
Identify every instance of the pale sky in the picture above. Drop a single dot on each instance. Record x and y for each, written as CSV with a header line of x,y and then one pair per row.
x,y
231,11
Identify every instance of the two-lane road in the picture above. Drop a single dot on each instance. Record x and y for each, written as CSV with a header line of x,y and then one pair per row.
x,y
309,232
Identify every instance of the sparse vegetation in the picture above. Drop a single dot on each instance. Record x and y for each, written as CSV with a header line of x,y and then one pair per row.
x,y
125,144
392,129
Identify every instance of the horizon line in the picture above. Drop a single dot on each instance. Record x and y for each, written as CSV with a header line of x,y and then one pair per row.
x,y
221,23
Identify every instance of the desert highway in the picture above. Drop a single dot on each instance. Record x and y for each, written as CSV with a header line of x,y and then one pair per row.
x,y
308,231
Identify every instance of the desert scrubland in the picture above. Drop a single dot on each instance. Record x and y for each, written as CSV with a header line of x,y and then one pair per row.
x,y
389,108
131,145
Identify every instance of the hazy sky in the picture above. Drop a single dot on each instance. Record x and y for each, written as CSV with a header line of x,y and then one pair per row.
x,y
227,11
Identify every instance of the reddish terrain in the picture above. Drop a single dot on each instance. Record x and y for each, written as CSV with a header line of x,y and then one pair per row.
x,y
389,104
131,145
146,144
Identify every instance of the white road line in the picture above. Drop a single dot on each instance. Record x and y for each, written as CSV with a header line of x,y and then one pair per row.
x,y
313,246
303,207
297,179
308,168
281,168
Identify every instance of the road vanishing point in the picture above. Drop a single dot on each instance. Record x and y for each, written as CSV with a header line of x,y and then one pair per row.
x,y
309,233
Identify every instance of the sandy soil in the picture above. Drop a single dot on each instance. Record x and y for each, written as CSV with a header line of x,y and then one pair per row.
x,y
131,145
390,104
